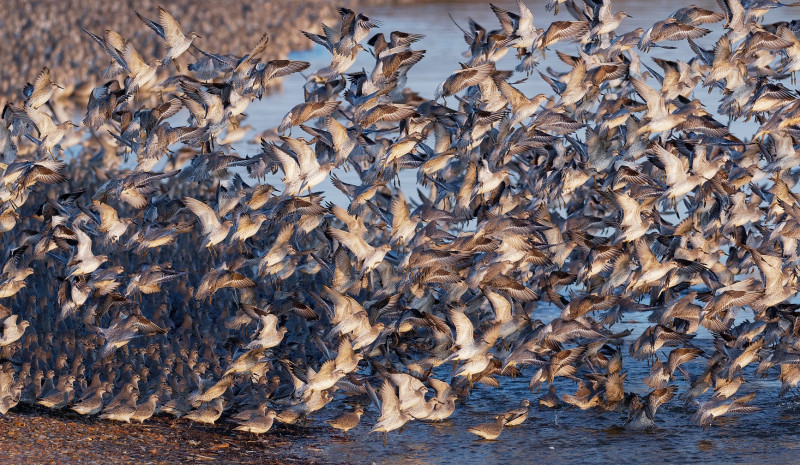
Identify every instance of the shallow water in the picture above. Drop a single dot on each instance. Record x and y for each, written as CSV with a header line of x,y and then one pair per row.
x,y
569,435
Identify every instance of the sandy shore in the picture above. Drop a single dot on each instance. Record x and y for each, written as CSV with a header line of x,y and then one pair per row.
x,y
33,435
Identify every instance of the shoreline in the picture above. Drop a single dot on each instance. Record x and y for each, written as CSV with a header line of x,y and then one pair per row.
x,y
37,435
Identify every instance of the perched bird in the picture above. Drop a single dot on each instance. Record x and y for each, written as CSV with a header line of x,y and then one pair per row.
x,y
517,416
490,431
347,420
258,424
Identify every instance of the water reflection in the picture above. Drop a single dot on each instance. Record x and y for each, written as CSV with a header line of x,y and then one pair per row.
x,y
569,435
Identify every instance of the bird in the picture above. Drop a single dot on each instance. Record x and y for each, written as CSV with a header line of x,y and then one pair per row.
x,y
347,420
670,29
517,416
170,31
391,417
257,424
269,336
718,406
111,225
41,91
303,112
122,412
214,230
368,256
489,431
145,409
92,405
641,415
208,413
247,226
123,330
13,331
465,77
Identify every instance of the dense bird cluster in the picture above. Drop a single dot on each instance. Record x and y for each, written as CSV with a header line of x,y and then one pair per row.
x,y
39,33
150,268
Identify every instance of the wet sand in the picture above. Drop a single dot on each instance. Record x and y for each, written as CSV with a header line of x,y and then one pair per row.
x,y
35,435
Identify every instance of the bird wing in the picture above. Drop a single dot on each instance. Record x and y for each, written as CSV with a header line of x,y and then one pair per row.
x,y
291,170
338,133
443,390
42,80
152,25
655,103
10,322
269,324
629,207
206,215
646,257
114,40
525,18
108,216
46,172
673,30
345,351
464,329
400,212
143,326
280,68
306,158
43,122
133,59
260,46
354,243
84,245
172,28
680,356
467,77
504,16
389,401
112,44
564,30
390,113
319,109
343,305
501,306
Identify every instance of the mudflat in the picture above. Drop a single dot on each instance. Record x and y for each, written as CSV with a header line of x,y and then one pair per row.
x,y
34,435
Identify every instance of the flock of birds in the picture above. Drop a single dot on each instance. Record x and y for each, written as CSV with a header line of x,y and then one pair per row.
x,y
149,267
46,33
